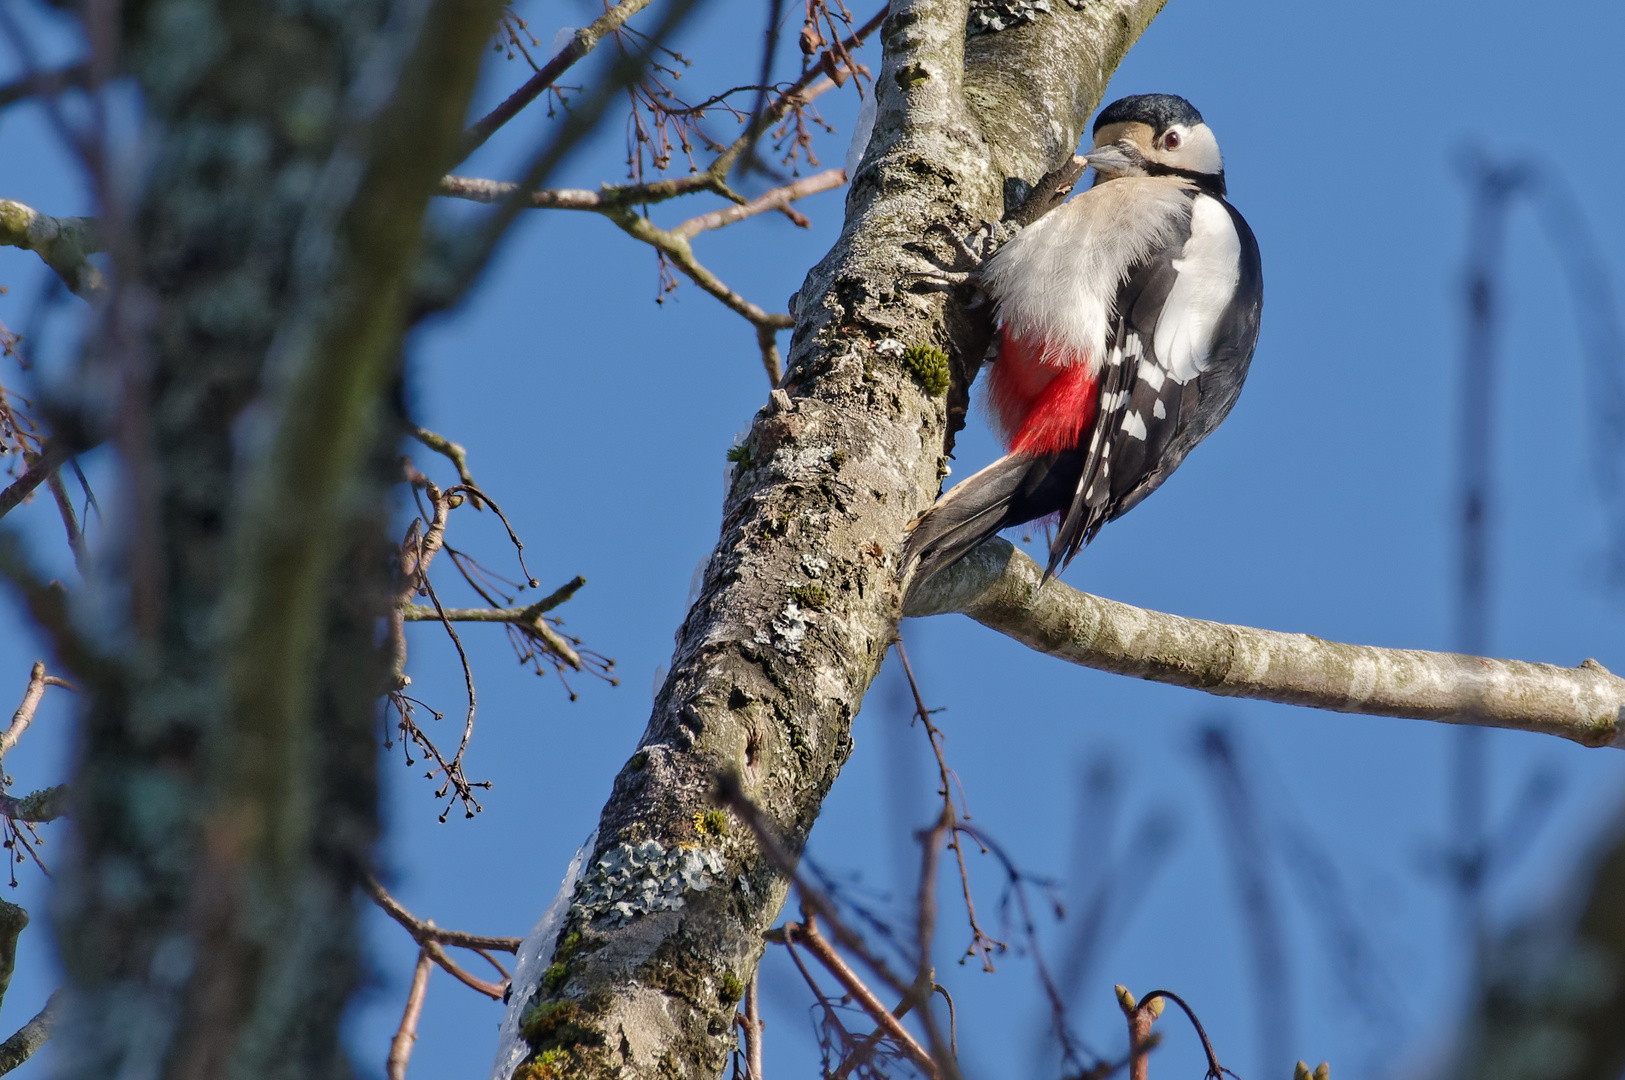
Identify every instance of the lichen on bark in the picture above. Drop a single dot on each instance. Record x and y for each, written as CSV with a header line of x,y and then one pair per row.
x,y
774,657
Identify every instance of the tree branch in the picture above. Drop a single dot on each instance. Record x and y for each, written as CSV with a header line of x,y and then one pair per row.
x,y
49,459
64,243
406,1036
997,586
673,243
31,1036
423,931
32,694
37,807
779,198
584,42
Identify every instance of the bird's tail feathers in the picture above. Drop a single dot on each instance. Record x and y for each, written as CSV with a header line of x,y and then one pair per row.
x,y
973,510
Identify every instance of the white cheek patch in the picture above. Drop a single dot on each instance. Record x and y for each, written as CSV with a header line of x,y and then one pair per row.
x,y
1209,268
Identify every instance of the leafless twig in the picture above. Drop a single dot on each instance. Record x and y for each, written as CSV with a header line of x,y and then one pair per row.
x,y
584,41
400,1047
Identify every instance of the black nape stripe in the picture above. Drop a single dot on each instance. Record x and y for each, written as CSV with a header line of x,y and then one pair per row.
x,y
1212,183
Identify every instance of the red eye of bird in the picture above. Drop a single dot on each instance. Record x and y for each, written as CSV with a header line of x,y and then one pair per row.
x,y
1171,141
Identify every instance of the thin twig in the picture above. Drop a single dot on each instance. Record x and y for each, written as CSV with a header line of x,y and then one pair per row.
x,y
400,1047
24,716
753,1029
982,944
452,452
584,41
51,457
779,198
423,930
807,934
70,521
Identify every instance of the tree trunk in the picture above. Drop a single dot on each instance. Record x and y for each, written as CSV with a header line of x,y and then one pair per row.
x,y
244,366
801,597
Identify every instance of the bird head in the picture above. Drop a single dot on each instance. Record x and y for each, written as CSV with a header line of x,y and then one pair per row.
x,y
1155,135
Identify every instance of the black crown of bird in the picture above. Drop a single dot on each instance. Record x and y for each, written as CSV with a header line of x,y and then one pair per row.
x,y
1126,319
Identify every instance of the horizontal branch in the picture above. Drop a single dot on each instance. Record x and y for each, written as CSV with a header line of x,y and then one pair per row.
x,y
529,618
998,586
64,243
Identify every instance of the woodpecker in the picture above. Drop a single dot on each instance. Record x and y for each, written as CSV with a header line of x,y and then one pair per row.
x,y
1126,320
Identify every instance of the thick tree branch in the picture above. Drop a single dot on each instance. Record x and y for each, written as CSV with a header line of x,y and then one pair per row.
x,y
65,244
800,599
997,585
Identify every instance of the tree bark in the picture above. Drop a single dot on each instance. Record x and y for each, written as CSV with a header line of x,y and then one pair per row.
x,y
244,366
801,597
998,586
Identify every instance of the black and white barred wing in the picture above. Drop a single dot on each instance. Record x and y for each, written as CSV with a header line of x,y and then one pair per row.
x,y
1175,317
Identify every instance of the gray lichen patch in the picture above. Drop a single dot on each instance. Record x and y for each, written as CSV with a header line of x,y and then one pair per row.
x,y
630,880
991,16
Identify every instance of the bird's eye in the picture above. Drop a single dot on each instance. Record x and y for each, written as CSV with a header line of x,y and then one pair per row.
x,y
1170,141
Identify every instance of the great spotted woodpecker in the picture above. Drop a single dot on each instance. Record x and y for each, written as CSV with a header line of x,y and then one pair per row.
x,y
1127,318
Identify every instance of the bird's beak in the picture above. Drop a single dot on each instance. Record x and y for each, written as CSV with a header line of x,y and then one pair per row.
x,y
1109,160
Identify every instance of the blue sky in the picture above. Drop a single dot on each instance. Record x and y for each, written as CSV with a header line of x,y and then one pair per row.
x,y
1324,505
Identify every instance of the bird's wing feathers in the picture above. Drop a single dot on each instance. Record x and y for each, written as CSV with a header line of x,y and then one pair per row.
x,y
1169,312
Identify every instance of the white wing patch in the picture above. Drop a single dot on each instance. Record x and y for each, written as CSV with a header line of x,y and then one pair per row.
x,y
1209,268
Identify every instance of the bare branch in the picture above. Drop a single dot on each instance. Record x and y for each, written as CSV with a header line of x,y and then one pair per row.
x,y
452,452
807,934
778,199
998,586
44,82
528,617
753,1029
31,1036
24,716
64,243
49,459
37,807
70,521
400,1047
584,41
423,931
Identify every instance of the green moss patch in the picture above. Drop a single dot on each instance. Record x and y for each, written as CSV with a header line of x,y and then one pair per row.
x,y
929,366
